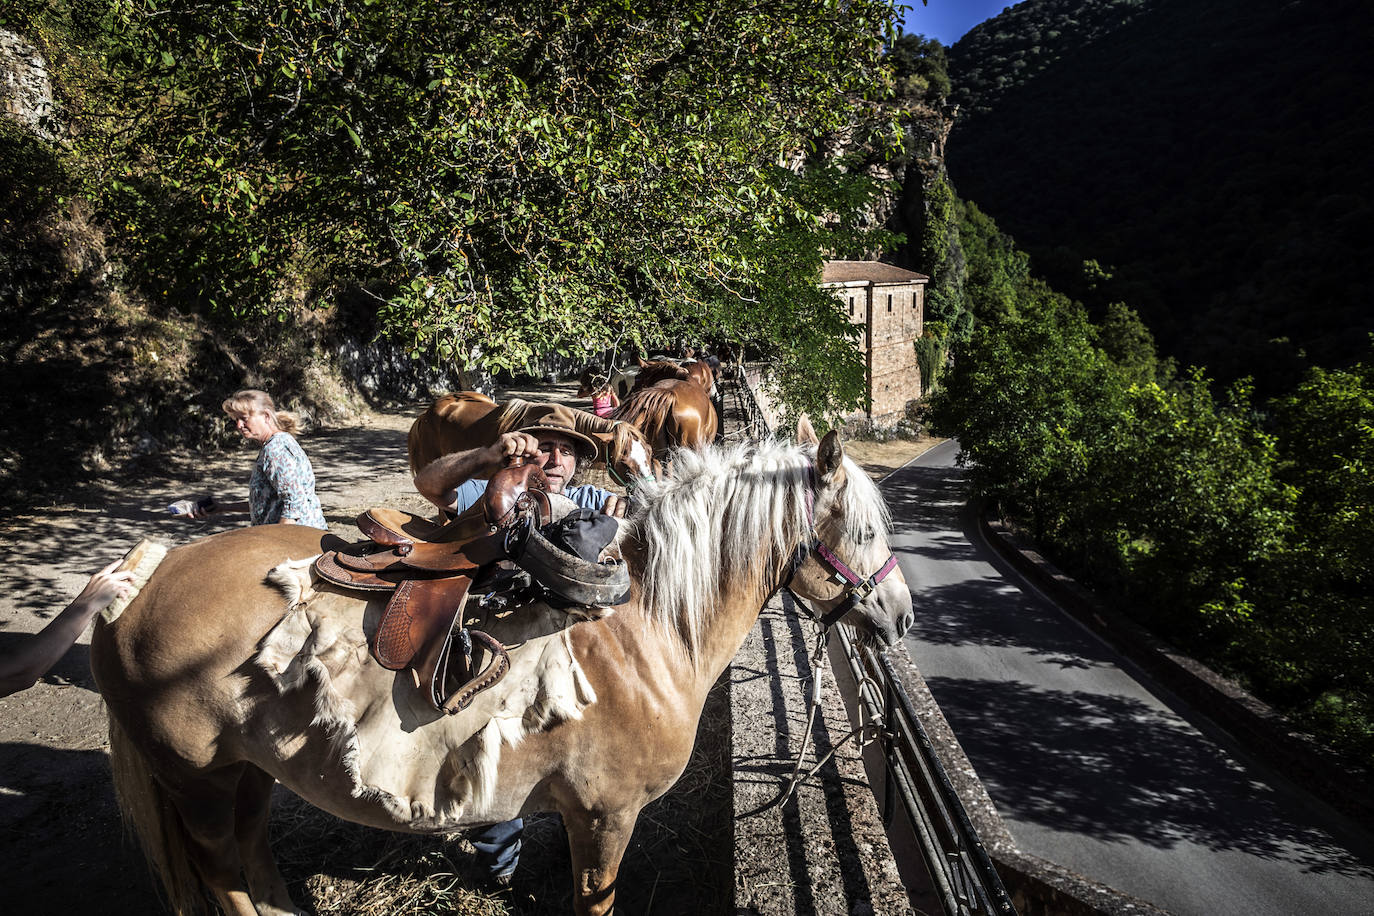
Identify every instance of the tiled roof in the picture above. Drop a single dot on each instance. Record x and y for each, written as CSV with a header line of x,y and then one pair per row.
x,y
872,271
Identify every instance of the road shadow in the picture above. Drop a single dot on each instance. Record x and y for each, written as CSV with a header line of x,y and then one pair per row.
x,y
1115,768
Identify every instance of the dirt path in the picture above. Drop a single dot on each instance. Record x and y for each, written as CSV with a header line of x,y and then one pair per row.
x,y
63,845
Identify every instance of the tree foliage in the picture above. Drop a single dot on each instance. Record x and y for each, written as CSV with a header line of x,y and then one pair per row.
x,y
921,68
507,179
1243,535
1325,586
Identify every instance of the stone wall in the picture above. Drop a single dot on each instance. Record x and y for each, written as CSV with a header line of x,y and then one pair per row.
x,y
893,316
897,320
25,91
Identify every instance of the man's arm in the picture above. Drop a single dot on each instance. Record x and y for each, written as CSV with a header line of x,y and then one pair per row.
x,y
438,480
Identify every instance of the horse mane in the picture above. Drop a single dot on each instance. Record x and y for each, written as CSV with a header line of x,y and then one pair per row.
x,y
648,409
726,519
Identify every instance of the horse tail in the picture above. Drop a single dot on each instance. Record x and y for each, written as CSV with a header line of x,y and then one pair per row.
x,y
152,818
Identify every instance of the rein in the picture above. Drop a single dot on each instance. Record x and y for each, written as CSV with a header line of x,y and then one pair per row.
x,y
856,590
870,731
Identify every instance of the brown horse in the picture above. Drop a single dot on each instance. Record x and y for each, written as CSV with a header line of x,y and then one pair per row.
x,y
651,373
674,413
217,684
457,422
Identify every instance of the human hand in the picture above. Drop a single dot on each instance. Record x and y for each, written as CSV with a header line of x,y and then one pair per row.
x,y
197,509
105,586
614,506
512,445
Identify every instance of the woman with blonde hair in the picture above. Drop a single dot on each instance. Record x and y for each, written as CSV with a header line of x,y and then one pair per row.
x,y
282,485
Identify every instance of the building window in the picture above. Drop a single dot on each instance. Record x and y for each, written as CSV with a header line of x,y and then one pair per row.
x,y
851,306
889,302
913,300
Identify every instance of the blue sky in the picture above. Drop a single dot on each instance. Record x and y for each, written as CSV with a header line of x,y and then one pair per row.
x,y
948,20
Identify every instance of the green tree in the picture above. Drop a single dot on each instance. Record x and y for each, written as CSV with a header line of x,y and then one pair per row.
x,y
997,271
1192,487
506,179
921,68
1319,625
1020,396
1131,345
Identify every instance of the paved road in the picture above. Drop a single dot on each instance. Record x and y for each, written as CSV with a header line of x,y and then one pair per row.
x,y
1090,765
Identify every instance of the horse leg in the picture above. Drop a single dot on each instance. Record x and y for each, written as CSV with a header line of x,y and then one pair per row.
x,y
206,807
597,840
252,808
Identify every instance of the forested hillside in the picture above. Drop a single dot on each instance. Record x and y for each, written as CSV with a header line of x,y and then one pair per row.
x,y
1235,524
1210,156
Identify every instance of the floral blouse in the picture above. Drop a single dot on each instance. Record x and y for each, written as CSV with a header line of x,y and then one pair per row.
x,y
283,485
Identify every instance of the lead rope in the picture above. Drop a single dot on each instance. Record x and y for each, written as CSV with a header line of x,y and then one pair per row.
x,y
814,704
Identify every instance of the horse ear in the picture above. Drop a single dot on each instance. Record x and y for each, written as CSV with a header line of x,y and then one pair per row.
x,y
830,456
641,361
806,433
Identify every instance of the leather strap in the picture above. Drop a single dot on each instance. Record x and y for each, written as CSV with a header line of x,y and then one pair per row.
x,y
418,618
474,684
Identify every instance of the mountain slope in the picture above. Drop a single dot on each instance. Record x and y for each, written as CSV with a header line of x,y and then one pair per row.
x,y
1211,154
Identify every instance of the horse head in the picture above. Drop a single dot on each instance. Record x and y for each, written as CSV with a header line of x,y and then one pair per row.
x,y
629,455
651,373
846,570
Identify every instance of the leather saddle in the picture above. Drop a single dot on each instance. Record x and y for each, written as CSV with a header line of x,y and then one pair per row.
x,y
429,569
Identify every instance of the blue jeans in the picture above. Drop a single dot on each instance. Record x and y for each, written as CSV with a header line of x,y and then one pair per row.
x,y
498,847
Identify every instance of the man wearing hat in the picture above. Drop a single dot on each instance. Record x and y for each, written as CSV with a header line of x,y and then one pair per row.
x,y
453,483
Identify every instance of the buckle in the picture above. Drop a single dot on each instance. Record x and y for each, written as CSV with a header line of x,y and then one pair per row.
x,y
865,588
516,535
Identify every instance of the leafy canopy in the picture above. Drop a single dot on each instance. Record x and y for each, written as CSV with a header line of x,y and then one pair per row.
x,y
508,179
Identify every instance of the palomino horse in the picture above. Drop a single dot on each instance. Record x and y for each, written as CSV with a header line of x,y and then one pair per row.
x,y
200,725
674,413
467,419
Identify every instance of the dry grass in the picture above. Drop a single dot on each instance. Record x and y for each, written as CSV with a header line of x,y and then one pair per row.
x,y
882,458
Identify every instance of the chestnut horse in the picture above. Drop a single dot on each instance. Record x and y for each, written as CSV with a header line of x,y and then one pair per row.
x,y
200,726
467,419
674,413
658,370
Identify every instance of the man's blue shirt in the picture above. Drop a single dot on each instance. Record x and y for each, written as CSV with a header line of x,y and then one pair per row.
x,y
584,495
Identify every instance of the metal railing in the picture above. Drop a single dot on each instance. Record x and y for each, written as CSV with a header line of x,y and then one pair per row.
x,y
962,873
754,423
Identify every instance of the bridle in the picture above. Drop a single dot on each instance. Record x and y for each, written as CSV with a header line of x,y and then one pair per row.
x,y
857,587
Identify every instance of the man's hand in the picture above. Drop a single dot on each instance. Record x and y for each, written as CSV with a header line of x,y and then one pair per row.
x,y
438,481
512,445
614,506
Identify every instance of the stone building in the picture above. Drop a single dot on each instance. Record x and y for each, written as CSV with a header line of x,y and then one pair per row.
x,y
890,304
